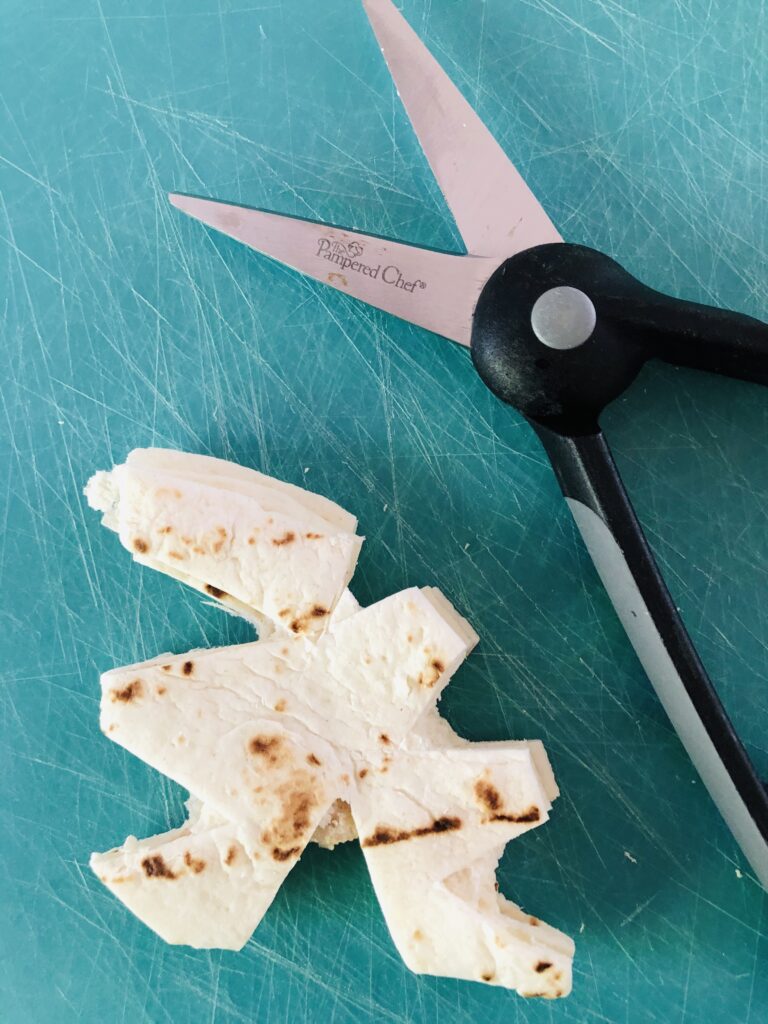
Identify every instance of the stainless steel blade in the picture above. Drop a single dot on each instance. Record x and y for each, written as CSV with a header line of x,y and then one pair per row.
x,y
496,212
432,289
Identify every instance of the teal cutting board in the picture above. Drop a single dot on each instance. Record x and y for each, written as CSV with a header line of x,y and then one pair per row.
x,y
642,127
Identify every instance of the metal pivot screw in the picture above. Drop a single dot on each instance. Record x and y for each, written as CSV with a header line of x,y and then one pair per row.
x,y
563,317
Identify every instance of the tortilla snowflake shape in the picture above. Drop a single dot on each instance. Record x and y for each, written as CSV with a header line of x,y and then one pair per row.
x,y
269,737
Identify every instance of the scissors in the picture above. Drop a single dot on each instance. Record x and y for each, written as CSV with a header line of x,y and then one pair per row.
x,y
558,331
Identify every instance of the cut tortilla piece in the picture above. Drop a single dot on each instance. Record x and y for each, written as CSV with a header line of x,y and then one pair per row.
x,y
275,553
271,735
432,834
197,886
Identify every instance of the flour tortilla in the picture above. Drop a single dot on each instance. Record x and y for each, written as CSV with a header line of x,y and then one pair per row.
x,y
277,554
271,734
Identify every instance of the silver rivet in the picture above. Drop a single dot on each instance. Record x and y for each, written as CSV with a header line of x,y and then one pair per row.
x,y
563,317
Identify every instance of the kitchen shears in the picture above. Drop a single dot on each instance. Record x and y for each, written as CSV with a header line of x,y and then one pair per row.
x,y
558,331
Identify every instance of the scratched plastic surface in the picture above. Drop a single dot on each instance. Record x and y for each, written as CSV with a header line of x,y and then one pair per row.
x,y
124,324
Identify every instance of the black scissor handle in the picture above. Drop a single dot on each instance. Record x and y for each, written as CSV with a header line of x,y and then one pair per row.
x,y
634,323
562,391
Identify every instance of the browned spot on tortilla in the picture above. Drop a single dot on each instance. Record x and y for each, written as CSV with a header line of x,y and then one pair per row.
x,y
298,799
313,759
140,545
165,529
268,747
279,854
542,965
383,738
194,863
285,652
362,773
251,540
532,814
172,492
432,673
198,549
491,800
487,795
214,591
384,835
155,867
534,921
410,638
177,555
281,705
188,668
288,538
160,691
301,622
112,727
487,977
284,613
128,693
166,668
313,536
345,779
187,540
231,855
418,935
336,278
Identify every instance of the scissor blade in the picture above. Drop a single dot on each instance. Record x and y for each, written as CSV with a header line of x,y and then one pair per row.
x,y
495,211
432,289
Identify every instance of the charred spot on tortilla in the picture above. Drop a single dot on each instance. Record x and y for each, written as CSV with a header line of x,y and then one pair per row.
x,y
283,855
314,759
487,795
194,863
386,835
523,818
140,545
287,538
432,673
155,867
487,977
166,668
215,591
267,747
188,668
542,965
318,612
362,773
128,693
383,738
